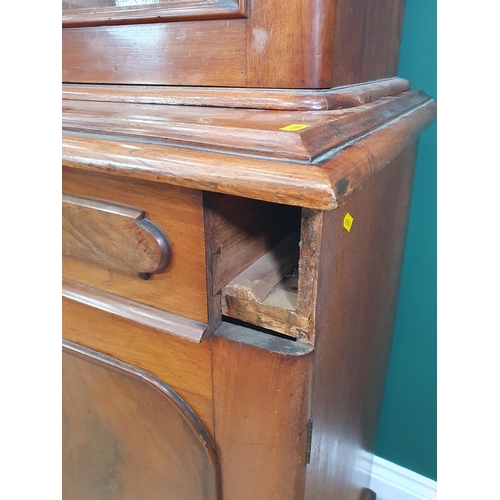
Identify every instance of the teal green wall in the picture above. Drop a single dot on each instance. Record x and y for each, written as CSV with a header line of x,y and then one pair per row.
x,y
407,431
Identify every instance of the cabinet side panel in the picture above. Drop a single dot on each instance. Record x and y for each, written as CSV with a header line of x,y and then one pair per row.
x,y
357,297
367,39
261,413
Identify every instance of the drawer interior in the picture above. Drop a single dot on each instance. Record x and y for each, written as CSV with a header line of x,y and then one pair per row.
x,y
264,263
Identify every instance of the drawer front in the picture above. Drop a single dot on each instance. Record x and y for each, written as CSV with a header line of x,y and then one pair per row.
x,y
141,241
115,237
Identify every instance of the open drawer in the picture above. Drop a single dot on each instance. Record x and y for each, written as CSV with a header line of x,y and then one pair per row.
x,y
240,194
264,263
175,258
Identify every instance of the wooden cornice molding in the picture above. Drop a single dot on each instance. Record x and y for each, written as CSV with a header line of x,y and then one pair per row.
x,y
303,136
244,152
314,186
249,98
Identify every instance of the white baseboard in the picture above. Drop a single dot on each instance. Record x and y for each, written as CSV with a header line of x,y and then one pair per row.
x,y
392,482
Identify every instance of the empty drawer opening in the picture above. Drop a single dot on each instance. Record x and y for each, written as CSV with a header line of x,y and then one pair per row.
x,y
266,272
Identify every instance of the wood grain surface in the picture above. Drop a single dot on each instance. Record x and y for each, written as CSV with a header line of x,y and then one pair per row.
x,y
290,44
127,435
308,270
181,288
294,44
259,279
253,98
185,366
327,183
276,315
243,230
135,311
182,53
320,44
367,37
232,125
279,290
251,132
92,13
113,236
261,409
357,297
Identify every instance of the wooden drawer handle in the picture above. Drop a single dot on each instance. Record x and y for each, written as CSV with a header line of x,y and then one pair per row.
x,y
115,237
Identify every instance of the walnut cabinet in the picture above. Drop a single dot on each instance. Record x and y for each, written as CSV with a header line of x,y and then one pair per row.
x,y
237,178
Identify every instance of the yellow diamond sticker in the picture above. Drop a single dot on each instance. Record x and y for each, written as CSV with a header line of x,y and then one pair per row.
x,y
294,127
348,222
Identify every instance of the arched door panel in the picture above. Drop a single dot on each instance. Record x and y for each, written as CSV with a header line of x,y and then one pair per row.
x,y
127,435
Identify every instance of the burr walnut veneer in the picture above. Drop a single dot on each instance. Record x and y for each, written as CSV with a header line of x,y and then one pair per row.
x,y
231,256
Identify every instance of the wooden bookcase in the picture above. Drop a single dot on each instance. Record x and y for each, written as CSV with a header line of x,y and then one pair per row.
x,y
237,178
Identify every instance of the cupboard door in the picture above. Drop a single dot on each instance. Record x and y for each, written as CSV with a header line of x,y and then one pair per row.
x,y
127,435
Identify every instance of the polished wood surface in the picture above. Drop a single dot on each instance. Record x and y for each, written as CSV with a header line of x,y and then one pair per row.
x,y
291,419
91,13
140,313
181,288
273,145
257,178
290,44
250,132
332,178
184,365
127,435
113,236
222,97
182,53
366,40
261,411
293,44
357,297
321,44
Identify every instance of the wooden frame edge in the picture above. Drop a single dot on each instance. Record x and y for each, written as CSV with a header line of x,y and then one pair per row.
x,y
176,10
140,313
